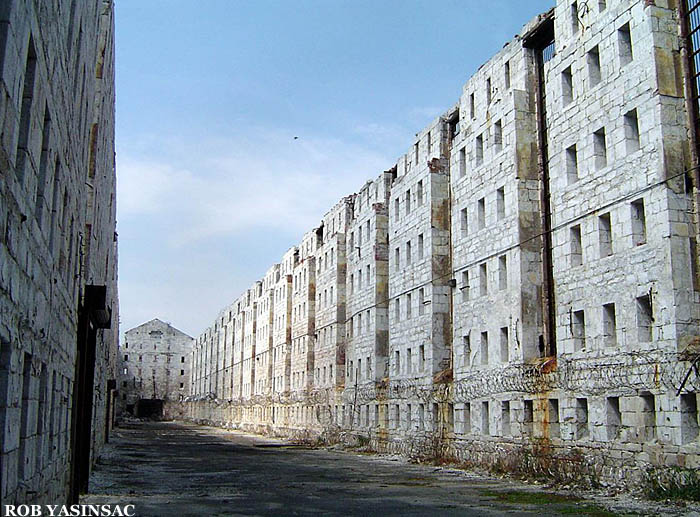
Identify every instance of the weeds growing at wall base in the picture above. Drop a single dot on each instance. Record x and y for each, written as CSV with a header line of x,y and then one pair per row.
x,y
672,483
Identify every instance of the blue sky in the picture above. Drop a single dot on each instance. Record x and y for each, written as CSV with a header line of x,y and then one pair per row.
x,y
212,186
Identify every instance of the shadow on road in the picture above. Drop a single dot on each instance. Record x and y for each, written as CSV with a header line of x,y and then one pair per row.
x,y
179,469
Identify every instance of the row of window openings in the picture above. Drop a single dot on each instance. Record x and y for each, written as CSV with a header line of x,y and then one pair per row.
x,y
298,379
359,374
280,322
600,147
489,90
466,358
262,332
369,195
138,345
593,63
356,324
300,279
139,374
481,212
366,227
278,383
644,316
262,307
409,252
358,276
407,200
138,382
326,335
466,287
479,146
327,299
461,419
405,364
416,151
299,347
605,234
44,402
280,294
45,175
647,427
155,358
278,353
328,260
422,302
299,312
574,12
324,375
422,415
322,237
22,150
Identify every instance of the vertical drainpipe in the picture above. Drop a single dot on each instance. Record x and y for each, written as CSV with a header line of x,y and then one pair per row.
x,y
689,92
538,41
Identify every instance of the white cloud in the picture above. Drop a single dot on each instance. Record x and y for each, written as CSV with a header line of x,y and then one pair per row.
x,y
236,187
196,219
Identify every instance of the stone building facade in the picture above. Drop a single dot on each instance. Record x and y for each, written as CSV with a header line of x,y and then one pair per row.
x,y
58,246
521,288
155,364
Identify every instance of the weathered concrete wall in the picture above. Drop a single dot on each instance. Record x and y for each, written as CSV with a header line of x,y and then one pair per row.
x,y
57,236
518,290
155,363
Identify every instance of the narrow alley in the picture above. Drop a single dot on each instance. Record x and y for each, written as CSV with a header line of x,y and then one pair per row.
x,y
177,469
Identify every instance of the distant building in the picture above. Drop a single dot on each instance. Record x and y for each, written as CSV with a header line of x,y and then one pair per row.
x,y
58,246
155,370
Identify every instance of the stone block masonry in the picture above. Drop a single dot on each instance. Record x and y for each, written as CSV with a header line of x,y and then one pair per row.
x,y
155,364
58,246
521,288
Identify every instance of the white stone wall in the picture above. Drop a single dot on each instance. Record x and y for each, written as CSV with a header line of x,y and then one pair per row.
x,y
249,326
282,323
155,363
264,333
303,316
442,345
367,301
57,221
329,350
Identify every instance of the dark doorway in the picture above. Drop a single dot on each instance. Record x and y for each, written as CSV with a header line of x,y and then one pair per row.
x,y
149,408
111,396
93,314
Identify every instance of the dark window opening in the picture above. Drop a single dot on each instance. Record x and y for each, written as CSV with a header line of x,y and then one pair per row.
x,y
26,110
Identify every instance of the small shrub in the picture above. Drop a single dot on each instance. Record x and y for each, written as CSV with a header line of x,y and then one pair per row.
x,y
672,483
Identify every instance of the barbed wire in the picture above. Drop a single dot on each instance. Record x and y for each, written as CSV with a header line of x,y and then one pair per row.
x,y
626,372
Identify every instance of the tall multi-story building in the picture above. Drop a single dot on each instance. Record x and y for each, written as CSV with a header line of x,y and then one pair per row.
x,y
303,327
521,287
155,370
282,333
419,277
331,267
264,334
58,246
367,330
